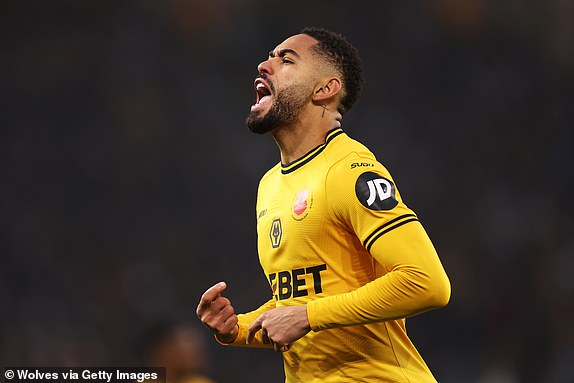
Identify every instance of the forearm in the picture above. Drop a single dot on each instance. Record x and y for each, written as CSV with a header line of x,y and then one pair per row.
x,y
244,320
415,283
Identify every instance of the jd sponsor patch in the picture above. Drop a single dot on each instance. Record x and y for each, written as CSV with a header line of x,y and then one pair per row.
x,y
375,192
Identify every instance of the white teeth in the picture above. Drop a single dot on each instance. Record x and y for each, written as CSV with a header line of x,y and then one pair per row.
x,y
260,85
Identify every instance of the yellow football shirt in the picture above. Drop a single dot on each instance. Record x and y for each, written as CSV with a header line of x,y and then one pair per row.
x,y
333,233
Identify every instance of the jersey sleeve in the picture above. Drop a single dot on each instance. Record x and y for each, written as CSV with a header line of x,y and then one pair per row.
x,y
364,199
244,320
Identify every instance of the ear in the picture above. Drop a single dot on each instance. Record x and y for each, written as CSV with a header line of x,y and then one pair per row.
x,y
327,89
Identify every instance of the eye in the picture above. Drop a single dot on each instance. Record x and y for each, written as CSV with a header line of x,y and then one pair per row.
x,y
285,60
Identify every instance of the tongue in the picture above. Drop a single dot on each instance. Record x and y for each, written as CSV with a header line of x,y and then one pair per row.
x,y
264,99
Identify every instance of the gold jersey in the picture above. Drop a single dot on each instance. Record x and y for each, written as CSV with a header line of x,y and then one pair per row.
x,y
334,233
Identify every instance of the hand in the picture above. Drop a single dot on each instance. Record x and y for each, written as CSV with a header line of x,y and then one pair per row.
x,y
281,326
215,311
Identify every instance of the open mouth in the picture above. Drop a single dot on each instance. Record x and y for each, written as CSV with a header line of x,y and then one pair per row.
x,y
263,93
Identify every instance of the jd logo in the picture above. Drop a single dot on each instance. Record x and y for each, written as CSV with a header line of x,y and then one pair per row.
x,y
375,192
378,188
275,233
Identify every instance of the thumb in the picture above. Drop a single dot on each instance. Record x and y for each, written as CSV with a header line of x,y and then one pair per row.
x,y
255,326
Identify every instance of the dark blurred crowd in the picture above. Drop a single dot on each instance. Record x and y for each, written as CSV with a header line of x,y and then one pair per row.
x,y
129,178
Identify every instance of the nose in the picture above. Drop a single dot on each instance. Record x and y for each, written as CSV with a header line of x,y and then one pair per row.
x,y
265,67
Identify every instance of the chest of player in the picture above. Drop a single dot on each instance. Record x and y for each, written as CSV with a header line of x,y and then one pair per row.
x,y
292,217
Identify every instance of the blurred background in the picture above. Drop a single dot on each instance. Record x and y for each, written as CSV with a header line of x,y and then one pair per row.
x,y
128,177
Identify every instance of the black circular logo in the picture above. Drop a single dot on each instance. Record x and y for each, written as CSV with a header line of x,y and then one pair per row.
x,y
375,192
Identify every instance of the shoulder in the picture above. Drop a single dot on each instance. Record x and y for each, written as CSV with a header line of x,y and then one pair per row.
x,y
359,174
342,146
356,175
350,158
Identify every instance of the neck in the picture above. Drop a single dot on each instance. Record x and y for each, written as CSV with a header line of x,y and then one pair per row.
x,y
306,133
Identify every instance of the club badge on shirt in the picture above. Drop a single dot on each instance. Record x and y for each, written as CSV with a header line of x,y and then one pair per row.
x,y
276,233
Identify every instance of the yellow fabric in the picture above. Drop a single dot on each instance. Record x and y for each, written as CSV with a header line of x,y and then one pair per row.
x,y
244,322
360,270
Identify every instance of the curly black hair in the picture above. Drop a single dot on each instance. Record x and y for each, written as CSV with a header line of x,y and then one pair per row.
x,y
345,57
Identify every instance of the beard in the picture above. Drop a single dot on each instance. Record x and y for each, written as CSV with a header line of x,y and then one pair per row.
x,y
287,105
